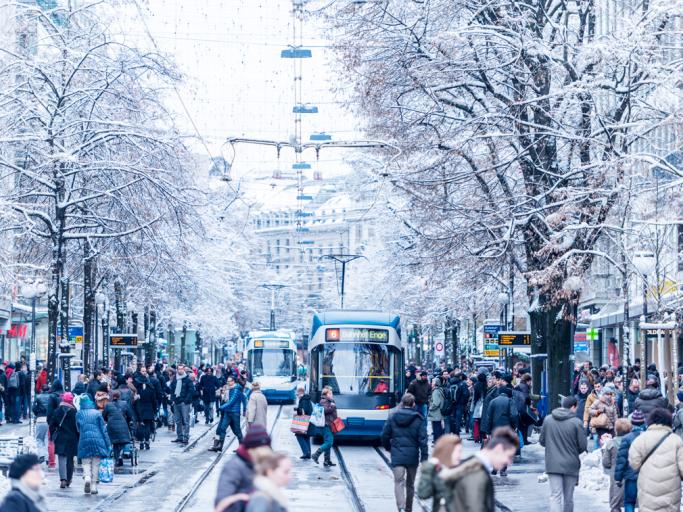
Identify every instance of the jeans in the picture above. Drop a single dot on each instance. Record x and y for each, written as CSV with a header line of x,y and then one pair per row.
x,y
447,425
437,430
234,422
328,440
182,421
304,443
423,409
91,469
208,411
456,422
11,406
66,467
404,486
630,495
562,492
25,401
41,438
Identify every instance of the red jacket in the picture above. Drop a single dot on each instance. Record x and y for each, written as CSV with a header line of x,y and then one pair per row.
x,y
41,380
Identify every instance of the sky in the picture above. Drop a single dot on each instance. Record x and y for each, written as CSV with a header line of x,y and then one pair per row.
x,y
236,84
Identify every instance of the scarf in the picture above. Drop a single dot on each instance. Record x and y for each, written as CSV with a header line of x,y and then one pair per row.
x,y
179,384
267,487
67,404
36,497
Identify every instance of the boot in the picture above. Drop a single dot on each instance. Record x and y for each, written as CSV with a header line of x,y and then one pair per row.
x,y
316,455
93,488
86,488
217,445
62,484
328,460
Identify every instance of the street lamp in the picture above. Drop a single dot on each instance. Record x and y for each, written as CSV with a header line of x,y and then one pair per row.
x,y
33,291
644,262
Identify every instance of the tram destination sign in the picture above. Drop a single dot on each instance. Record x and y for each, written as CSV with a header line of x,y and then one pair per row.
x,y
123,341
514,339
357,335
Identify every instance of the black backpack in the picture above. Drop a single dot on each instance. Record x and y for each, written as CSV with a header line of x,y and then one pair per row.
x,y
447,405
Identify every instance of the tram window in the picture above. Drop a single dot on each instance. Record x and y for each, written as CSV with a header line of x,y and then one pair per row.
x,y
358,369
272,362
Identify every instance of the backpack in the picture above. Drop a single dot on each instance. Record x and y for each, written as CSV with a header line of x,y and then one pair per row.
x,y
13,382
447,404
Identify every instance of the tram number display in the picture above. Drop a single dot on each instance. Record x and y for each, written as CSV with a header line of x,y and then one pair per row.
x,y
271,344
357,335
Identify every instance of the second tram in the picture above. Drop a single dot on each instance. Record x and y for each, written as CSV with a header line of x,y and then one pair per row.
x,y
271,360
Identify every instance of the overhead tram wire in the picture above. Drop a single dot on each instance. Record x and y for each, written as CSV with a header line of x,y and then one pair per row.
x,y
182,103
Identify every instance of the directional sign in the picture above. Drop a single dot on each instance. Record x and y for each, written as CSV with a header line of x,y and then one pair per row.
x,y
580,346
592,334
514,339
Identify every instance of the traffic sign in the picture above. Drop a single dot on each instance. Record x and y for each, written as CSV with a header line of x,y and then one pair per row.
x,y
592,334
438,348
580,346
514,339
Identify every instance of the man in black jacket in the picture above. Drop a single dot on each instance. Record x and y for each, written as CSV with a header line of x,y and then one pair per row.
x,y
502,412
26,476
421,389
405,438
460,394
182,390
208,384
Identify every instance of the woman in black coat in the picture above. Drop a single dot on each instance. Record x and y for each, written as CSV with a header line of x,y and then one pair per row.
x,y
305,406
64,435
118,416
145,409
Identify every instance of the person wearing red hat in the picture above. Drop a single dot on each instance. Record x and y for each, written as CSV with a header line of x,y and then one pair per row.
x,y
237,476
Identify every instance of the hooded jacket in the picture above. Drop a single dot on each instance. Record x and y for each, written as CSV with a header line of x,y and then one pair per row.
x,y
659,479
435,402
469,487
118,416
563,438
649,399
405,437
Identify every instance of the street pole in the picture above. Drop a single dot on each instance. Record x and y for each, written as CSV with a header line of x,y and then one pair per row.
x,y
643,346
95,354
343,259
32,364
273,287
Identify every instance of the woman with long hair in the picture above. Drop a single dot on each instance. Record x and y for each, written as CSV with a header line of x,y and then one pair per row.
x,y
446,454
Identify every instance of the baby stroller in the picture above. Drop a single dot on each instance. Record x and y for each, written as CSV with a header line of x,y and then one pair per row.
x,y
130,451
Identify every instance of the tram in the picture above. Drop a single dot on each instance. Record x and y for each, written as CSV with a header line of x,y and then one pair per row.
x,y
359,355
271,360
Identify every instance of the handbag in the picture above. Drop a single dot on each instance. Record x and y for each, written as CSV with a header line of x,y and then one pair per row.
x,y
338,425
300,424
106,470
600,421
318,416
478,409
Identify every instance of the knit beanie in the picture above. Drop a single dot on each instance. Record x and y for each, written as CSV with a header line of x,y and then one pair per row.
x,y
256,436
21,464
68,398
637,417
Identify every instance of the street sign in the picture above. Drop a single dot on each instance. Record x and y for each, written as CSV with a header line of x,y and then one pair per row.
x,y
580,346
514,339
592,334
123,341
491,340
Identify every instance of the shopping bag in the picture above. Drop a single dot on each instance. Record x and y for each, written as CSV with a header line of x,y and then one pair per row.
x,y
338,425
300,424
318,416
106,472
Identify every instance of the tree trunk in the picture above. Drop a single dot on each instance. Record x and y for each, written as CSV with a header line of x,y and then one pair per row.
x,y
88,305
120,319
151,351
65,344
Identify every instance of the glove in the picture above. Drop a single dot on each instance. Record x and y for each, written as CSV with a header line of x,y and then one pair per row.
x,y
619,484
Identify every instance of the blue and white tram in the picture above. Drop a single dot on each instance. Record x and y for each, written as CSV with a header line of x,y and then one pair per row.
x,y
271,360
359,355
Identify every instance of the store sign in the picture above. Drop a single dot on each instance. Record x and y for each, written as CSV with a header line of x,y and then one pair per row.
x,y
18,331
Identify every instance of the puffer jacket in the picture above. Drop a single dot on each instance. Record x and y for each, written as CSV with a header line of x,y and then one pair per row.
x,y
435,403
622,469
94,440
118,416
649,399
659,479
602,407
236,401
405,437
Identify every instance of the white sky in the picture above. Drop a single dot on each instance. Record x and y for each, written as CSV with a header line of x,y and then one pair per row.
x,y
237,84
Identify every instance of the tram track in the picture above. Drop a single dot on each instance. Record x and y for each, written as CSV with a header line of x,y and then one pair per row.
x,y
185,500
348,480
383,456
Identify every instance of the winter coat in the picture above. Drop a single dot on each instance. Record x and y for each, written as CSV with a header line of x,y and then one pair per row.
x,y
631,399
186,390
421,390
93,386
41,404
236,401
56,391
622,469
305,406
64,437
479,388
257,409
158,389
79,388
41,381
469,486
268,497
208,384
563,438
145,406
17,501
592,397
430,485
602,407
237,476
659,480
435,402
118,416
649,399
501,412
24,383
330,411
490,395
405,437
94,440
580,404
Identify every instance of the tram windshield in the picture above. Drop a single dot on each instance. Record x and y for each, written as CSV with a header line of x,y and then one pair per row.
x,y
358,368
272,363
